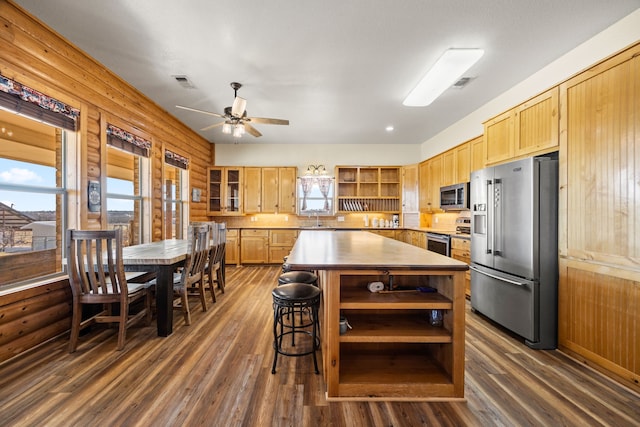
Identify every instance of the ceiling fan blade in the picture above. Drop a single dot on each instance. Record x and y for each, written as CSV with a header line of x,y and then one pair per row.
x,y
267,121
239,105
253,131
200,111
215,125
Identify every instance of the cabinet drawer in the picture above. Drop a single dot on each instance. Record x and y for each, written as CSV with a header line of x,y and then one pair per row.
x,y
250,232
282,237
457,243
232,232
461,255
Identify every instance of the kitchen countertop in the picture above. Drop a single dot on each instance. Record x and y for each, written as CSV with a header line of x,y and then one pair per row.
x,y
326,249
347,228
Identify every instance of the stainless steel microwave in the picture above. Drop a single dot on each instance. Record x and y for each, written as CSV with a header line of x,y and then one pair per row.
x,y
454,197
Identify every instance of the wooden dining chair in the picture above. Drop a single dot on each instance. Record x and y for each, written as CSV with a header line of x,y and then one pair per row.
x,y
215,272
190,280
213,267
96,275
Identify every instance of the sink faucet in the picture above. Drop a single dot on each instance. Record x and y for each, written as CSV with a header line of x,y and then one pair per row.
x,y
317,220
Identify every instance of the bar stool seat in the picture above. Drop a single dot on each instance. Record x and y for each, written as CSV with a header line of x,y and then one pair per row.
x,y
298,277
295,297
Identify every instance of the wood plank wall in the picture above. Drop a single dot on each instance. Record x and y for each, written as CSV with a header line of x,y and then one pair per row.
x,y
36,56
599,296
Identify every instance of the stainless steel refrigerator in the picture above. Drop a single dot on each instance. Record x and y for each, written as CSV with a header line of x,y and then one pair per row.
x,y
514,247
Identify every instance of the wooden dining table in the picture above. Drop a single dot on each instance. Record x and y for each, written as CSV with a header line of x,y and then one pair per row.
x,y
161,257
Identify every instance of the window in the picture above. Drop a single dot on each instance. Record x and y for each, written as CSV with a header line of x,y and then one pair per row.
x,y
33,197
175,195
175,202
315,195
124,195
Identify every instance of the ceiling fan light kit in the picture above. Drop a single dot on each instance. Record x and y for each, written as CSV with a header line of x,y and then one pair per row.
x,y
445,72
236,121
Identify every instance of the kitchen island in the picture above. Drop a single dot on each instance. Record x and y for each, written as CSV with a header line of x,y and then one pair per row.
x,y
392,351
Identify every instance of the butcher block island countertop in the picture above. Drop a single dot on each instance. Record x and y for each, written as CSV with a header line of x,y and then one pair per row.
x,y
392,351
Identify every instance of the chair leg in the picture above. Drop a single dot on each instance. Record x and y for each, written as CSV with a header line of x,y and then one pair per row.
x,y
201,291
75,327
212,282
220,279
185,306
122,327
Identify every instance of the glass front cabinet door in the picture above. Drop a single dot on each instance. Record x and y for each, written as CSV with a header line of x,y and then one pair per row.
x,y
225,191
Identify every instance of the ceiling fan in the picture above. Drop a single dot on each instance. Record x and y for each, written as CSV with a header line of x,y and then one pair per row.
x,y
236,121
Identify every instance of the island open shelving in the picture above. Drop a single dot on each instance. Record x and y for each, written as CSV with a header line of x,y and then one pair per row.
x,y
392,351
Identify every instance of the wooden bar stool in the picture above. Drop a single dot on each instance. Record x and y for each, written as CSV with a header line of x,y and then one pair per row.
x,y
295,297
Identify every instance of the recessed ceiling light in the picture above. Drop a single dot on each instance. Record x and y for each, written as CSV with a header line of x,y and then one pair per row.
x,y
444,73
389,128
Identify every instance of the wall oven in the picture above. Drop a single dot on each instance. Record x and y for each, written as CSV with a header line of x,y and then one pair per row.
x,y
440,243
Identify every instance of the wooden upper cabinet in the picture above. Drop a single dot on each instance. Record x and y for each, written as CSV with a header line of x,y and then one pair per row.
x,y
600,163
224,191
463,161
528,129
252,190
369,188
476,156
435,182
270,190
498,134
287,185
410,189
449,173
536,124
455,165
423,185
430,182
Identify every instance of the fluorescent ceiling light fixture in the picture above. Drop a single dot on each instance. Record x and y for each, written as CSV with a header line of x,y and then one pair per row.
x,y
389,128
445,72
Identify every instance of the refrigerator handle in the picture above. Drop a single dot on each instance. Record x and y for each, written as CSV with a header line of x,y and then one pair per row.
x,y
497,217
502,279
489,244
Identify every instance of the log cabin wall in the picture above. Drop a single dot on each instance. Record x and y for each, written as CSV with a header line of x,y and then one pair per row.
x,y
36,56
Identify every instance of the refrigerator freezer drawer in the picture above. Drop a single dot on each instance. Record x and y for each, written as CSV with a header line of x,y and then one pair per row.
x,y
507,300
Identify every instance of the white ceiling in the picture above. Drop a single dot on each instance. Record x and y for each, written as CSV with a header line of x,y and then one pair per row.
x,y
337,69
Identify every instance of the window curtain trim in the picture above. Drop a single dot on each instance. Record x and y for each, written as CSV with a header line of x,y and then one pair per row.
x,y
23,100
175,159
120,138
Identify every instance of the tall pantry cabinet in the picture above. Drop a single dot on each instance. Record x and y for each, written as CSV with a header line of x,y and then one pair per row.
x,y
599,288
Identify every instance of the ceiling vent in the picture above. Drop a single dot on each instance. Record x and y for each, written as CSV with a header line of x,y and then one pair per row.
x,y
184,81
462,82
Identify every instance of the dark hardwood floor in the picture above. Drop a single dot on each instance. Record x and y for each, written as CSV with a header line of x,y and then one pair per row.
x,y
217,372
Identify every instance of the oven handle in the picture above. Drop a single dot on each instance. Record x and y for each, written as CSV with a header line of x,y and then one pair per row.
x,y
438,237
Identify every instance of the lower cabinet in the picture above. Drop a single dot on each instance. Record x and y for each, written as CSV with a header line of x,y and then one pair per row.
x,y
254,246
265,246
461,250
231,248
385,233
280,244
